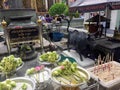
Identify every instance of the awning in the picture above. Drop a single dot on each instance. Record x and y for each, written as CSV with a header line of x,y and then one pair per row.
x,y
95,5
89,6
97,18
114,5
76,3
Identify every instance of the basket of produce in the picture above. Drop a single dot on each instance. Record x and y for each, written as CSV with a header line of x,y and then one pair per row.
x,y
49,58
69,74
10,64
40,75
19,83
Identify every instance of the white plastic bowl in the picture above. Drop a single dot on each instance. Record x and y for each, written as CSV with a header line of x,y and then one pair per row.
x,y
21,80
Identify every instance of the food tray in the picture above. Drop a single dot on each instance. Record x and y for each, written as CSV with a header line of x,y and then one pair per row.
x,y
20,80
42,76
48,63
83,72
12,72
107,80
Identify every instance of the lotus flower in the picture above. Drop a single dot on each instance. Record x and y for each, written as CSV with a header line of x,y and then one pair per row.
x,y
38,68
62,67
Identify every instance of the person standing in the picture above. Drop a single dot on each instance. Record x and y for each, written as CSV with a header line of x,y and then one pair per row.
x,y
5,4
48,18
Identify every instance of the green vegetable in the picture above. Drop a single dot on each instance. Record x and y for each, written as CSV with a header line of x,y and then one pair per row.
x,y
49,57
7,85
68,71
13,83
19,61
24,86
9,64
8,81
30,71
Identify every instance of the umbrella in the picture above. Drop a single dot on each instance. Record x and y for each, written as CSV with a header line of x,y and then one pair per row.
x,y
97,18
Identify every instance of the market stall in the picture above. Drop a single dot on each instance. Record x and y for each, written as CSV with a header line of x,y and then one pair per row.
x,y
44,72
95,25
60,73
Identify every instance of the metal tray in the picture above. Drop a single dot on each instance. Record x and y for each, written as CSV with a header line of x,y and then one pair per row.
x,y
12,72
20,80
82,71
48,63
42,76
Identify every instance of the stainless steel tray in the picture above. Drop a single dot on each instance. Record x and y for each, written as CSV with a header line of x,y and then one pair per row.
x,y
48,63
83,72
20,80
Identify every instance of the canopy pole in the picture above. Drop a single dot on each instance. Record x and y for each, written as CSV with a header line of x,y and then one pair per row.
x,y
89,24
99,28
106,12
